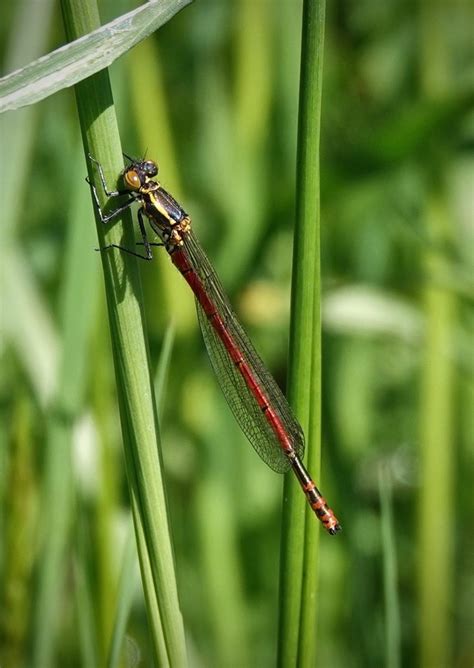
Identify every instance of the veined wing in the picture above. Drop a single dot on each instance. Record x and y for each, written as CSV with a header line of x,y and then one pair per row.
x,y
239,396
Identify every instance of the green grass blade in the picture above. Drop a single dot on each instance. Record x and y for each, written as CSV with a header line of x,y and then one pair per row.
x,y
438,431
28,39
160,612
435,529
18,526
79,283
299,568
134,387
25,319
86,626
126,589
161,375
85,56
392,607
27,323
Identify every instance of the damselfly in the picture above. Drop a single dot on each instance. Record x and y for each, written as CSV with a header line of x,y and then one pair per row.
x,y
254,397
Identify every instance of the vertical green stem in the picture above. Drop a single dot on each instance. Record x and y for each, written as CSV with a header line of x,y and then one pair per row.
x,y
134,386
436,509
390,573
299,565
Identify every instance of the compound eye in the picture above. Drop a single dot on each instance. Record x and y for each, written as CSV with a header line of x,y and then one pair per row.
x,y
150,168
132,179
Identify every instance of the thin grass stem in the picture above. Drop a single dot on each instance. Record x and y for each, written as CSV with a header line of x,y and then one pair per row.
x,y
390,572
134,386
299,564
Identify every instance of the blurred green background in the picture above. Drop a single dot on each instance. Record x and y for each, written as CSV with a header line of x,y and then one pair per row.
x,y
213,97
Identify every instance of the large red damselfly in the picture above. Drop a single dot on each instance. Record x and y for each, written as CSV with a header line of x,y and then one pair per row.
x,y
254,397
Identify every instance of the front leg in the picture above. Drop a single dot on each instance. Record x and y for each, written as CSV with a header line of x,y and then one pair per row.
x,y
109,193
105,218
145,242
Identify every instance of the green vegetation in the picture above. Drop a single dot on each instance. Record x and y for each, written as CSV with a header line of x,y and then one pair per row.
x,y
213,94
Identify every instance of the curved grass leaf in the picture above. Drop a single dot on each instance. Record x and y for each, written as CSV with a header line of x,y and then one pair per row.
x,y
85,56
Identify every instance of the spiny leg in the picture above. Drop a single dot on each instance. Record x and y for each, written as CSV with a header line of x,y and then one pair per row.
x,y
106,218
110,193
145,242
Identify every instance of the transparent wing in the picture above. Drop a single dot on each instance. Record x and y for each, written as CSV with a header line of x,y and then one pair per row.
x,y
242,402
